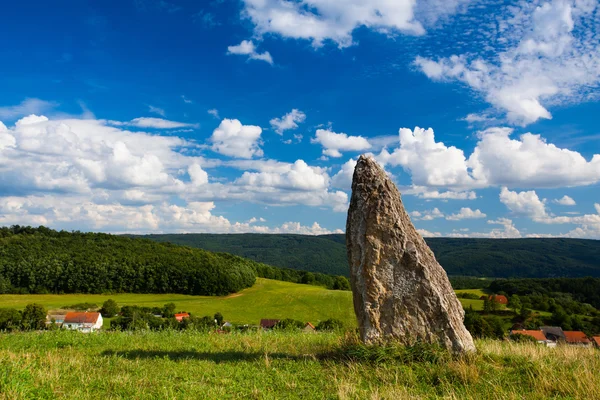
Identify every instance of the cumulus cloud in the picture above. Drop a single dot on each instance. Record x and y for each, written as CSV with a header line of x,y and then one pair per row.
x,y
288,121
523,203
197,175
430,163
545,53
565,201
428,193
466,213
247,47
233,139
334,143
343,178
298,176
497,160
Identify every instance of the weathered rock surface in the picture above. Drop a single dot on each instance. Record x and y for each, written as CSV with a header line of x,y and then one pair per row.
x,y
400,291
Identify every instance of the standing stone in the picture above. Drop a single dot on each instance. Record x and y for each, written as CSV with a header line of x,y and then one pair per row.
x,y
400,291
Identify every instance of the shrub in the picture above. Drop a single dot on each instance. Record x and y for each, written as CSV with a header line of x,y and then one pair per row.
x,y
330,324
109,308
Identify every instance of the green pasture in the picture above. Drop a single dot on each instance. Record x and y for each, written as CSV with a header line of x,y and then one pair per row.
x,y
266,299
273,365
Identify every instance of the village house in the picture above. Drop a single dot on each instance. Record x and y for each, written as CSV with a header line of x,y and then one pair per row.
x,y
180,316
538,335
83,321
577,338
596,340
310,328
554,333
268,323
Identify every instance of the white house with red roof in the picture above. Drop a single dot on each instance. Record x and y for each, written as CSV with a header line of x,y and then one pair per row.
x,y
83,321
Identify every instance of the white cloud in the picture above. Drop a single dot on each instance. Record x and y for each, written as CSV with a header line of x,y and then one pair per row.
x,y
298,176
186,100
466,213
343,179
546,53
565,201
233,139
247,47
497,160
27,107
523,203
430,163
427,193
426,233
333,143
529,161
158,123
214,112
156,110
428,215
197,175
335,20
288,121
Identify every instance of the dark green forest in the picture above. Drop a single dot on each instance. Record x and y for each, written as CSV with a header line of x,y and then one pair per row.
x,y
497,258
42,260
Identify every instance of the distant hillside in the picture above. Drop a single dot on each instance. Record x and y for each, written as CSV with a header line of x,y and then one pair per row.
x,y
42,260
502,258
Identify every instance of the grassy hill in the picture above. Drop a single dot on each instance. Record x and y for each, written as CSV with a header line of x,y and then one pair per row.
x,y
266,299
188,365
501,258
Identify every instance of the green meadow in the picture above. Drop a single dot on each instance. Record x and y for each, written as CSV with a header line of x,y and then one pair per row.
x,y
266,299
280,365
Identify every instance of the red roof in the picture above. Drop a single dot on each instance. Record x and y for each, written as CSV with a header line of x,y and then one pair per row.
x,y
537,335
576,337
308,324
597,340
81,318
180,316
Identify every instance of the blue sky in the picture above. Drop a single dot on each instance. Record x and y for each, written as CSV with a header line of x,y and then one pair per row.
x,y
247,115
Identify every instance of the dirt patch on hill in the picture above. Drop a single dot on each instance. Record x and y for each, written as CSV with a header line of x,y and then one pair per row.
x,y
231,296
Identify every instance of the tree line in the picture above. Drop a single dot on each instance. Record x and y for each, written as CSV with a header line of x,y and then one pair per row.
x,y
42,260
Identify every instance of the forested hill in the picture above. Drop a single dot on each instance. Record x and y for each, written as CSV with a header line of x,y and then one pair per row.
x,y
502,258
41,260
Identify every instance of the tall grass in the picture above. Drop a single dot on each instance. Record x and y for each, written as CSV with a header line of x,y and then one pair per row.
x,y
177,365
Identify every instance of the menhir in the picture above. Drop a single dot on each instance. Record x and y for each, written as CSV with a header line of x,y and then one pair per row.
x,y
400,291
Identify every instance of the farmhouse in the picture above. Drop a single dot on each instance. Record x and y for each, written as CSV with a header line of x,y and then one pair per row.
x,y
537,335
577,338
596,340
83,321
310,328
180,316
554,333
268,323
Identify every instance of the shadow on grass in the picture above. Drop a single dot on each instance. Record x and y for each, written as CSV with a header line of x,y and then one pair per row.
x,y
220,357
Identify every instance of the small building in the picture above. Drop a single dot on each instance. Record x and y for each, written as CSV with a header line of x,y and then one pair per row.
x,y
554,333
180,316
268,323
83,321
577,338
227,324
309,328
538,335
596,340
497,298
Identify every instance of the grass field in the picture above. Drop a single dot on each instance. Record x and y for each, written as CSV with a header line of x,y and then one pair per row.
x,y
185,365
266,299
